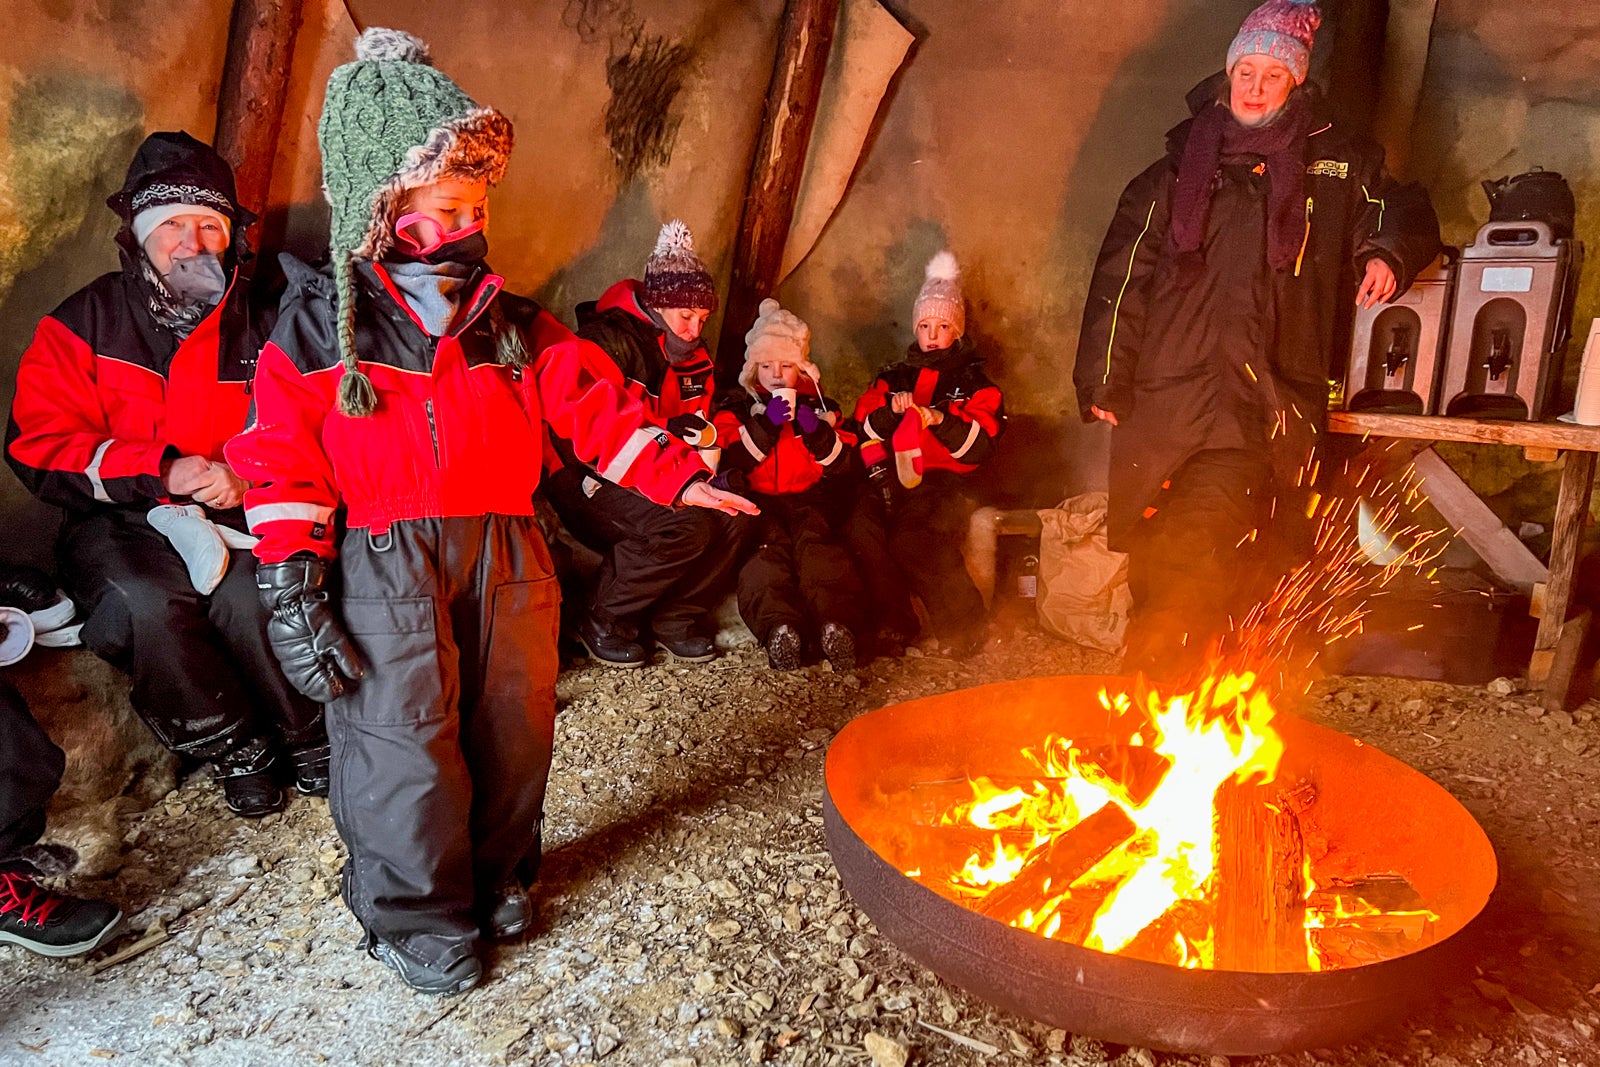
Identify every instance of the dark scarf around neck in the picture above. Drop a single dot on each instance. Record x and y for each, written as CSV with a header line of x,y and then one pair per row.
x,y
1215,135
179,316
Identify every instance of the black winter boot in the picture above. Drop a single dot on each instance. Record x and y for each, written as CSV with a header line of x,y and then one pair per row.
x,y
783,648
688,648
434,980
610,648
50,923
839,646
311,770
248,785
510,912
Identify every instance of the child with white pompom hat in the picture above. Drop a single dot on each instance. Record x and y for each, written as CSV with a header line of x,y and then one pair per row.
x,y
927,422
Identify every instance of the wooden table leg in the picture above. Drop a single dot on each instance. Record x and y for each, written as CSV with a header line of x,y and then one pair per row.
x,y
1572,507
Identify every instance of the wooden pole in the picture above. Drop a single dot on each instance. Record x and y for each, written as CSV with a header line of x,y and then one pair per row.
x,y
803,45
1566,538
255,84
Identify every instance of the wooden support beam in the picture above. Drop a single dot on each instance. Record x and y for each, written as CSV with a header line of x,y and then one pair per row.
x,y
804,42
1566,537
1405,61
1564,661
255,84
1557,435
1453,498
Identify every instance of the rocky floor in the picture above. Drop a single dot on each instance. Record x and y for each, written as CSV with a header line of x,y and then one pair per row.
x,y
691,916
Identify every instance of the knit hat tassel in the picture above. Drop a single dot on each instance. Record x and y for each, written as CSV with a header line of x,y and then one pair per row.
x,y
357,397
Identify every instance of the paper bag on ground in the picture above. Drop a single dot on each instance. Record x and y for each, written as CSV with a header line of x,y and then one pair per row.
x,y
1083,585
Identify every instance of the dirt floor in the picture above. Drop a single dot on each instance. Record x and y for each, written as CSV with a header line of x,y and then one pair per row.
x,y
691,916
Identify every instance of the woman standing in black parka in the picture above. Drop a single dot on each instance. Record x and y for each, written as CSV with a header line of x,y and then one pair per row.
x,y
1225,285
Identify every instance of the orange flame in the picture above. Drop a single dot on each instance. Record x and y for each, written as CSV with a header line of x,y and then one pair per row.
x,y
1220,732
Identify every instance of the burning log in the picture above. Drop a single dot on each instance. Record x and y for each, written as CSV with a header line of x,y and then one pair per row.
x,y
1063,860
1260,878
1368,919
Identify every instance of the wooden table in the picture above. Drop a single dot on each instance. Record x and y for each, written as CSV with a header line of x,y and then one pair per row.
x,y
1555,648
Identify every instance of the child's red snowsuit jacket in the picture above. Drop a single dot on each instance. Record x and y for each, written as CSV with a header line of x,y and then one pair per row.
x,y
778,460
104,395
619,324
952,382
455,433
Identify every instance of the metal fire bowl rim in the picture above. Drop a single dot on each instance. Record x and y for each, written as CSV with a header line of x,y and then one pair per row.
x,y
1116,998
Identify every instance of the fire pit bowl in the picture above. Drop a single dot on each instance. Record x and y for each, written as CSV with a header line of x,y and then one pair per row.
x,y
1376,815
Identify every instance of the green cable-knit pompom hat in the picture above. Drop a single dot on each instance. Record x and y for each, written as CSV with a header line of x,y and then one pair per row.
x,y
391,122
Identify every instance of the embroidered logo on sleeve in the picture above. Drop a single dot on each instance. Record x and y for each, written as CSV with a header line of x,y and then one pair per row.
x,y
1329,168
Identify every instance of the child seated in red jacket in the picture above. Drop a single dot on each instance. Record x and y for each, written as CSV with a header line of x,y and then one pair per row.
x,y
927,422
781,444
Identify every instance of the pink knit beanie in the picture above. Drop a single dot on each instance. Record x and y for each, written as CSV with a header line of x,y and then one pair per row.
x,y
940,297
1282,29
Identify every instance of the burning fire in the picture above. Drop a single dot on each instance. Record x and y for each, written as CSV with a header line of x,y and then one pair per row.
x,y
1116,846
1122,843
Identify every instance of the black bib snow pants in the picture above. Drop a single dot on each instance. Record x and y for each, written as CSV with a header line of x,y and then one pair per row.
x,y
440,754
204,679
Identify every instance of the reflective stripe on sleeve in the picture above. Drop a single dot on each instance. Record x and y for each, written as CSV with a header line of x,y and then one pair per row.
x,y
972,439
838,447
263,513
750,445
623,460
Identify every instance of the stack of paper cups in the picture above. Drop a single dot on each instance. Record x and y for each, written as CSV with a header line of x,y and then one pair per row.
x,y
1587,409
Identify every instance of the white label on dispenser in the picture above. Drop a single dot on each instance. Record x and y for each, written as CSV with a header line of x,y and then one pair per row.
x,y
1507,280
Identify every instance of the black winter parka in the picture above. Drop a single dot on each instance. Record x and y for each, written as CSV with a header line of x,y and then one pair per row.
x,y
1236,354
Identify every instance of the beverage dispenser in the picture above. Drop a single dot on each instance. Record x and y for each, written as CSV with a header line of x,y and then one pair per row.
x,y
1396,348
1511,321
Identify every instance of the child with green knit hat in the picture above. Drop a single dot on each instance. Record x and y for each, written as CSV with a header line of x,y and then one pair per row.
x,y
401,408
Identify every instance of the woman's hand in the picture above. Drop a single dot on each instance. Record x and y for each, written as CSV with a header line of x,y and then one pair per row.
x,y
221,489
184,475
1103,415
703,495
1378,286
900,403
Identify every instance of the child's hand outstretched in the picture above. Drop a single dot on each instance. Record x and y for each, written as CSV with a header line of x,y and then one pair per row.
x,y
705,495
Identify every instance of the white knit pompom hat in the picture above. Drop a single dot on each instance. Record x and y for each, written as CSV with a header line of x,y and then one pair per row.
x,y
940,297
778,336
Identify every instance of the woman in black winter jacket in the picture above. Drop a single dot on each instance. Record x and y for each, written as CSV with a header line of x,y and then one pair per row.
x,y
1226,283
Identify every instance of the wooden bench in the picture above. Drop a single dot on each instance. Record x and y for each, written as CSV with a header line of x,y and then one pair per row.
x,y
1549,586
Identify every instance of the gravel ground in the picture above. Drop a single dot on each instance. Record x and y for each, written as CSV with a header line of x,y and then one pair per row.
x,y
690,914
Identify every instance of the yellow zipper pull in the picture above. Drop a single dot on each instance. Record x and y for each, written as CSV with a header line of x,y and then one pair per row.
x,y
1304,240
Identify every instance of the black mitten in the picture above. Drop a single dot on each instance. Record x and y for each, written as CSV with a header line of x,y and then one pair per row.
x,y
26,588
316,654
880,476
693,429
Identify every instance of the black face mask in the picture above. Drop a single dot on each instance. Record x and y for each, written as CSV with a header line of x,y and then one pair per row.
x,y
470,249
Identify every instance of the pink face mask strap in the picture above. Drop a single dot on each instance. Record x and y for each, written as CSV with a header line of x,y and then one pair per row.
x,y
440,238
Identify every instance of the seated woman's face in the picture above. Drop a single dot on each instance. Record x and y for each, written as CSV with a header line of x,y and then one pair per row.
x,y
183,236
1258,87
685,322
